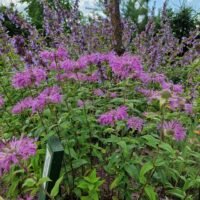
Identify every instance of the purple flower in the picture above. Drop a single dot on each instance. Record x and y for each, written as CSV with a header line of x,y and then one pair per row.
x,y
47,55
174,127
125,66
51,95
174,103
61,53
188,108
31,76
109,118
135,123
121,113
98,92
14,151
113,94
150,94
21,80
38,74
22,105
158,78
26,197
177,88
1,101
80,103
68,65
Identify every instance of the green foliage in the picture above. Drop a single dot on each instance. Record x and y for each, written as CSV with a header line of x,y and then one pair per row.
x,y
102,160
137,11
90,186
183,22
35,10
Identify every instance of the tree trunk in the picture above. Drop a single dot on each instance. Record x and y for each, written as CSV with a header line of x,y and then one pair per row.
x,y
114,8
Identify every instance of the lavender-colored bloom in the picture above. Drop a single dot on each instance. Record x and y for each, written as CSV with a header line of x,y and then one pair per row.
x,y
174,103
47,55
14,151
150,94
22,105
61,53
166,85
135,123
68,65
175,127
1,101
26,197
21,80
99,92
177,88
188,108
29,77
158,78
80,103
125,66
51,95
109,118
121,113
113,94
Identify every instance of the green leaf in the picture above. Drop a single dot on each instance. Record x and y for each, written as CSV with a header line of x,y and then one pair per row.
x,y
146,168
83,185
189,184
149,190
43,180
131,170
116,181
78,163
177,192
167,148
124,147
55,189
151,141
29,182
92,178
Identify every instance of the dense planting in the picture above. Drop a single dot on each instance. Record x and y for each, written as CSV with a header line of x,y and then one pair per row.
x,y
129,124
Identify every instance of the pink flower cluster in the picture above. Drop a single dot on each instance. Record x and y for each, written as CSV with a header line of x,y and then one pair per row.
x,y
1,101
125,66
29,77
135,123
110,117
60,54
172,95
176,128
51,95
15,151
122,67
98,92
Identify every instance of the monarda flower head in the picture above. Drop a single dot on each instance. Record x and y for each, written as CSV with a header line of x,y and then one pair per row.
x,y
135,123
1,101
51,95
22,105
29,77
188,108
98,92
15,151
110,117
61,53
47,55
175,128
125,66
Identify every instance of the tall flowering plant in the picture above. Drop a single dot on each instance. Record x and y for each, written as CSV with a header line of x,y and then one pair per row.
x,y
125,131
